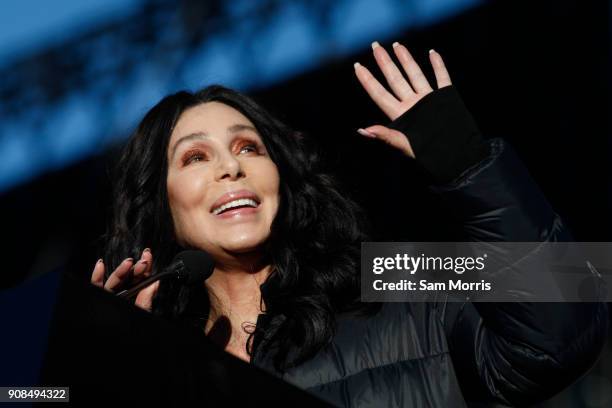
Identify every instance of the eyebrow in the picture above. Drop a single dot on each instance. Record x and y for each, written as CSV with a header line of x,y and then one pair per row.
x,y
201,135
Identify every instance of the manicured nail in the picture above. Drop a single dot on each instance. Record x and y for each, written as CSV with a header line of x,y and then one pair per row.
x,y
365,133
100,260
375,44
395,44
356,65
431,51
147,250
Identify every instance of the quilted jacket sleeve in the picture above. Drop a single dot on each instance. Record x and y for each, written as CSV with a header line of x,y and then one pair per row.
x,y
515,353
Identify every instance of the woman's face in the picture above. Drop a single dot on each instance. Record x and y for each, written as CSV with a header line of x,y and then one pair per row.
x,y
222,185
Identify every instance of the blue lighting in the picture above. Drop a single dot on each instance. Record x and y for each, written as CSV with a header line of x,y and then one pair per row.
x,y
250,51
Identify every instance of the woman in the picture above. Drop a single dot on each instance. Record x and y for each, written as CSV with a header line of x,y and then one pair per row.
x,y
214,171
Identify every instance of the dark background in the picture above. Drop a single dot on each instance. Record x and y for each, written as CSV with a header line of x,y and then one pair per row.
x,y
534,73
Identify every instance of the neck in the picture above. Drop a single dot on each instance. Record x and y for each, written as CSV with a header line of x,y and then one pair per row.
x,y
234,288
235,302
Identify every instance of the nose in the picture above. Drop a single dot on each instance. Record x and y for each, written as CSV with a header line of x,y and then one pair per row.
x,y
228,167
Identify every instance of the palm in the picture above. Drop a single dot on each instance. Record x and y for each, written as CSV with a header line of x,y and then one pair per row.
x,y
405,93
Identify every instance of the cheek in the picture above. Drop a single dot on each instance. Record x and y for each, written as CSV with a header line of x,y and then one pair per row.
x,y
273,192
269,176
185,197
186,189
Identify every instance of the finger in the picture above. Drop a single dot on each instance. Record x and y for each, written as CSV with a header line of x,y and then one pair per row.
x,y
393,75
147,255
119,274
377,92
140,268
144,299
442,76
97,276
392,137
418,80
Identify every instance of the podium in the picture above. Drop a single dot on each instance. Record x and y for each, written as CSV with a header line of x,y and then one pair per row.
x,y
108,351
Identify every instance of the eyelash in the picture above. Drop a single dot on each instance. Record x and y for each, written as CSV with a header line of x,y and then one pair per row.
x,y
192,154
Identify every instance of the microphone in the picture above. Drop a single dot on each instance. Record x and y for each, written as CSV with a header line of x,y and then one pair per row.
x,y
190,267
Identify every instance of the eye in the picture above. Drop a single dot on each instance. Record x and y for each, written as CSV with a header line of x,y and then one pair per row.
x,y
249,148
192,156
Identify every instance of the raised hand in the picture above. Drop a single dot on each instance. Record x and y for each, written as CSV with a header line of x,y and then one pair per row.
x,y
128,269
405,93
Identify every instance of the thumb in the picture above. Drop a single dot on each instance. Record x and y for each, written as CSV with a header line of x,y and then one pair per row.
x,y
392,137
144,299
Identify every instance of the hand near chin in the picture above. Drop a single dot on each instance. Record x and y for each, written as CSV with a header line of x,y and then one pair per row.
x,y
126,271
405,93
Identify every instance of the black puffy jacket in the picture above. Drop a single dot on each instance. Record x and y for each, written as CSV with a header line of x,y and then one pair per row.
x,y
449,354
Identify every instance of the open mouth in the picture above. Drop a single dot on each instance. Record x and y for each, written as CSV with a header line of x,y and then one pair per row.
x,y
235,205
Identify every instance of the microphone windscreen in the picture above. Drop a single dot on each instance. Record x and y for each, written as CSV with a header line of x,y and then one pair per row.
x,y
198,265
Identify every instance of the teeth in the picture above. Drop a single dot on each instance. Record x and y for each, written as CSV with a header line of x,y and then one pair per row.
x,y
235,203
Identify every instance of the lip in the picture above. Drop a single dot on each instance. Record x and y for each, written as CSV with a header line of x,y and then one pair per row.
x,y
235,195
238,212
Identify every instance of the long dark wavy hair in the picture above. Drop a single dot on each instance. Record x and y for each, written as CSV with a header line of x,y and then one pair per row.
x,y
313,247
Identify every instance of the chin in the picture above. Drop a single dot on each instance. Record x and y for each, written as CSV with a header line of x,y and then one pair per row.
x,y
248,244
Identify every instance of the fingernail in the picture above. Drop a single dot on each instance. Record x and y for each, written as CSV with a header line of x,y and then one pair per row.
x,y
129,259
375,44
431,51
143,261
356,65
395,44
99,261
365,133
147,250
